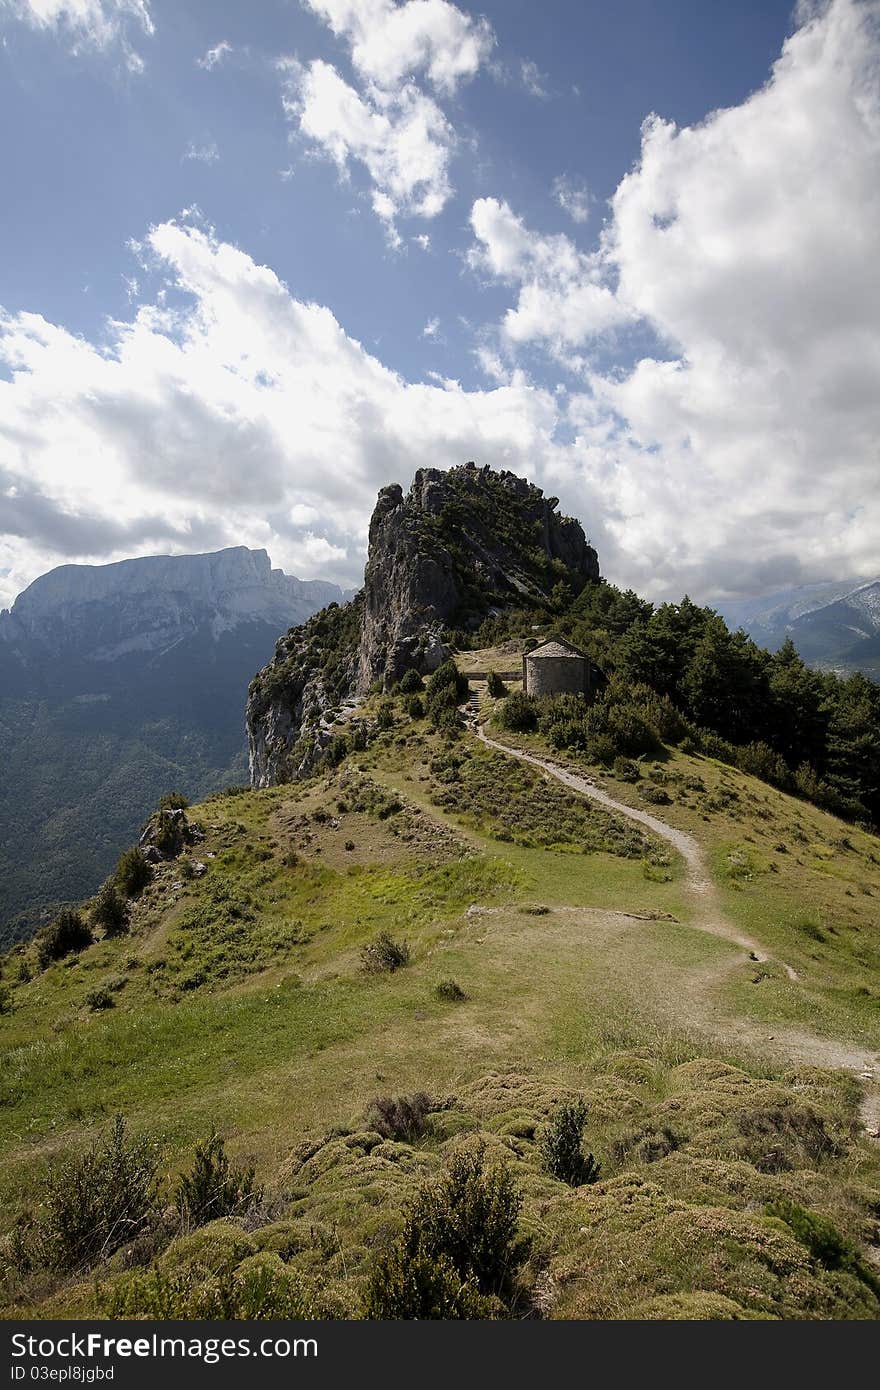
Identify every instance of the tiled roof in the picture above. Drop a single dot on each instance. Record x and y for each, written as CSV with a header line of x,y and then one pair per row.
x,y
552,648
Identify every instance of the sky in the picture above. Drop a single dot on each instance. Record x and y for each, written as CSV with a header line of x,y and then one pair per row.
x,y
257,261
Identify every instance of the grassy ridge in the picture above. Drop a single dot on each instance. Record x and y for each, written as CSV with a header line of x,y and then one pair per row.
x,y
239,999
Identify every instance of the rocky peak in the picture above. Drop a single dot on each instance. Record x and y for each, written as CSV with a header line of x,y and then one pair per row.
x,y
459,545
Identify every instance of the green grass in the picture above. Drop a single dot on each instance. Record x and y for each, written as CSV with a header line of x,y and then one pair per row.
x,y
239,999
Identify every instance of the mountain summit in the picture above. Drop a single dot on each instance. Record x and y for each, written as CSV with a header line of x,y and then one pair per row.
x,y
460,546
107,611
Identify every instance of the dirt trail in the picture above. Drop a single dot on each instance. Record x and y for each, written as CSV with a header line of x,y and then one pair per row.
x,y
798,1047
710,917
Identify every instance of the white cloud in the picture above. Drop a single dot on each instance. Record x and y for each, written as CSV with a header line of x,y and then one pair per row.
x,y
389,123
533,79
391,43
573,197
743,450
203,154
214,56
176,434
89,23
431,328
402,138
563,301
301,514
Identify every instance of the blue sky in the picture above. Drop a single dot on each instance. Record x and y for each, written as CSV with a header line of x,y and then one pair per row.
x,y
257,260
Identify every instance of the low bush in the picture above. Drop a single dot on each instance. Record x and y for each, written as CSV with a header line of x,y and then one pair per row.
x,y
823,1240
66,935
458,1252
561,1149
260,1288
626,770
518,713
497,688
99,999
385,714
404,1118
213,1187
450,991
110,910
133,872
411,682
97,1201
173,801
384,955
447,677
415,707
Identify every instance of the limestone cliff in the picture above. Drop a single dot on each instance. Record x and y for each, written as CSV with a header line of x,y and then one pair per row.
x,y
460,545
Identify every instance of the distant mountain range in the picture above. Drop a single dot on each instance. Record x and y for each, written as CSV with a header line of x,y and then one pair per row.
x,y
117,683
833,626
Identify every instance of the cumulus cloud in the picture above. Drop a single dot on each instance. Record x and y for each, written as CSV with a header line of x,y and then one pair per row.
x,y
402,138
391,42
241,414
389,123
89,23
563,298
741,450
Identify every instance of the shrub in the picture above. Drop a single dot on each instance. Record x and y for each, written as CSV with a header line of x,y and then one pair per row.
x,y
497,688
399,1117
261,1287
655,795
415,707
411,682
518,713
384,955
823,1240
213,1187
626,770
447,677
133,872
67,934
561,1146
173,801
385,714
450,991
458,1251
110,910
5,999
99,998
98,1200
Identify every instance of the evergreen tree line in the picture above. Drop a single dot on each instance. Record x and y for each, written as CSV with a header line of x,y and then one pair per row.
x,y
807,731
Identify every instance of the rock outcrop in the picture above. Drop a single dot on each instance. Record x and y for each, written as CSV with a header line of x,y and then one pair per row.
x,y
459,546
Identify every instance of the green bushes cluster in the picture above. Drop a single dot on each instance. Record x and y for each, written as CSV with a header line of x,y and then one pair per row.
x,y
458,1252
411,682
99,1200
518,713
68,934
446,689
260,1288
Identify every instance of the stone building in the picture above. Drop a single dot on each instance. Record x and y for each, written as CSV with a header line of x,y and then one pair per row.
x,y
556,667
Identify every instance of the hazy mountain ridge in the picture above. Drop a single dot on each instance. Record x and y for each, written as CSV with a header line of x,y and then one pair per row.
x,y
116,682
834,626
